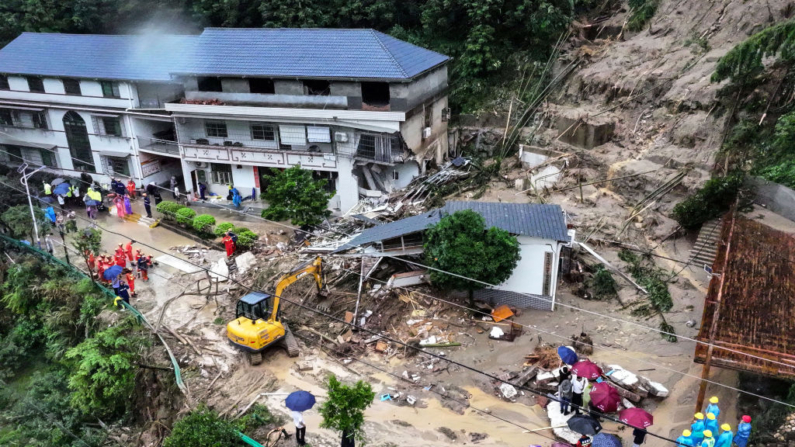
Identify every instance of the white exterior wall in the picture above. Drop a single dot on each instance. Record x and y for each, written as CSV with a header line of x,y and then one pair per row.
x,y
528,276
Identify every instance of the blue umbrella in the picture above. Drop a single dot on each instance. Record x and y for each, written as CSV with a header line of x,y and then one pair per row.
x,y
566,354
61,189
112,272
300,401
605,440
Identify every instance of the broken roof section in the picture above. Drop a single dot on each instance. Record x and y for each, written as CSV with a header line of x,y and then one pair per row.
x,y
757,303
522,219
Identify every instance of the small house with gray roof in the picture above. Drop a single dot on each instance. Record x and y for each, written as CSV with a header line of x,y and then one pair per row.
x,y
540,230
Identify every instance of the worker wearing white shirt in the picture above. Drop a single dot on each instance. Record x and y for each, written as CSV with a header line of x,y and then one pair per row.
x,y
300,428
577,388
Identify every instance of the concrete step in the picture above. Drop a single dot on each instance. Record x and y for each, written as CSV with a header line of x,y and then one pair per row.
x,y
146,221
705,249
134,217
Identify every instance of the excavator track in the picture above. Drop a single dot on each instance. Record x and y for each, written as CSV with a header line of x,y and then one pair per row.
x,y
289,342
255,358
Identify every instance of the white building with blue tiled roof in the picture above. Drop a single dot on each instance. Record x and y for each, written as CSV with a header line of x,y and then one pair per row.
x,y
356,106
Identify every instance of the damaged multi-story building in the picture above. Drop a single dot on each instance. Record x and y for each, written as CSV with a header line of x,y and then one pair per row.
x,y
355,106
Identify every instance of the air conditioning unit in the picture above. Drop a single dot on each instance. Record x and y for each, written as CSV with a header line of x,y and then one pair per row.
x,y
426,133
341,137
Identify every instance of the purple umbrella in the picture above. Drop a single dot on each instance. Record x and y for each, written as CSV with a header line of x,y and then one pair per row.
x,y
112,272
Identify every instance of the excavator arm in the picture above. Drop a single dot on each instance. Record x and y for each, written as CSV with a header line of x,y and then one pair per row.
x,y
314,268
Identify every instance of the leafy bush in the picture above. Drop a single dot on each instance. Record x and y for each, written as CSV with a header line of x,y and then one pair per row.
x,y
293,194
256,417
245,237
185,216
743,63
653,280
603,284
715,198
222,228
203,223
103,371
169,209
202,427
343,410
642,12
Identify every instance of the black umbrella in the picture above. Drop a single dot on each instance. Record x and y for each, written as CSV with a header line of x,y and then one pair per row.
x,y
584,425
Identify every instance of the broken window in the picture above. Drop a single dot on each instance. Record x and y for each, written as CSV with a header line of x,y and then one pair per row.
x,y
210,84
375,93
36,84
261,85
317,88
215,129
547,286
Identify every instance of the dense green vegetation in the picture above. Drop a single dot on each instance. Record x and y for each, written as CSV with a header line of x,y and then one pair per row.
x,y
602,283
709,202
460,243
488,39
203,427
74,370
655,281
343,409
293,194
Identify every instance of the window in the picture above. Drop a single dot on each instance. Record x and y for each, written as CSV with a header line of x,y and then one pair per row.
x,y
107,125
428,115
14,153
6,119
40,120
317,88
547,274
36,85
110,89
4,83
375,93
263,132
48,158
215,129
210,85
221,174
118,165
261,85
72,87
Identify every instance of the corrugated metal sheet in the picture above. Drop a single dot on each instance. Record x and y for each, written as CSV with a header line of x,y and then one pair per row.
x,y
526,219
122,57
306,52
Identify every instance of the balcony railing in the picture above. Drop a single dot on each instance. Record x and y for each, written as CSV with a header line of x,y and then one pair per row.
x,y
160,146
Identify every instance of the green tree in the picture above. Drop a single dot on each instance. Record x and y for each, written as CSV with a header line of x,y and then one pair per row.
x,y
461,244
743,63
714,199
103,371
202,427
344,407
18,221
88,240
293,194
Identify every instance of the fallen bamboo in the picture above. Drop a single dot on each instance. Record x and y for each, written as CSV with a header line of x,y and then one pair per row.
x,y
442,345
611,267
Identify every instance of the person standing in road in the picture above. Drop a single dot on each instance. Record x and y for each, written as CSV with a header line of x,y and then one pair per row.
x,y
131,188
143,267
202,190
229,243
124,292
115,284
713,407
300,427
128,250
685,440
148,205
743,432
130,277
174,187
578,386
697,429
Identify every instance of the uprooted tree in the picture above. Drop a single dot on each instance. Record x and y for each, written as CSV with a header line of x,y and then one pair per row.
x,y
461,244
293,194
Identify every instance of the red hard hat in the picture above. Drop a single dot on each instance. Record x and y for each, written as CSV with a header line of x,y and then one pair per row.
x,y
747,419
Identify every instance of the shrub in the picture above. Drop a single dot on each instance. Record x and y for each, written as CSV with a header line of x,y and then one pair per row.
x,y
202,428
715,198
245,237
603,284
203,223
222,228
642,12
185,216
168,209
293,194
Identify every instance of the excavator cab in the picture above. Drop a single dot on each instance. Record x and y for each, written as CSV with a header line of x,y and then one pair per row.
x,y
257,324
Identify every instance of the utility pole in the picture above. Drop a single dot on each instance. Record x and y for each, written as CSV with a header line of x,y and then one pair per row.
x,y
24,181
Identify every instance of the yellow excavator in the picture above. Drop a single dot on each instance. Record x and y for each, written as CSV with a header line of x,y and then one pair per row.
x,y
257,324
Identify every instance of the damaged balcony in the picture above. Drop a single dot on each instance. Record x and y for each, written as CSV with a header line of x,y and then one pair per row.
x,y
379,148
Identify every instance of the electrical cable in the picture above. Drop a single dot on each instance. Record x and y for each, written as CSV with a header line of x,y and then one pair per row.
x,y
397,342
659,365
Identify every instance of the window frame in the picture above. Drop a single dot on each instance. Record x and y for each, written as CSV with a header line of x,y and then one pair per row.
x,y
112,89
222,176
268,83
10,121
42,123
253,125
116,121
36,80
74,83
217,129
112,160
4,85
202,84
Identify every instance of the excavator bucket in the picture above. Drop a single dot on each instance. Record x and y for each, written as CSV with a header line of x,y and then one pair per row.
x,y
322,295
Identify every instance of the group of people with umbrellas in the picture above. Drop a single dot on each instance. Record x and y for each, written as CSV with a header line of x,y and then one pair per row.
x,y
584,378
112,270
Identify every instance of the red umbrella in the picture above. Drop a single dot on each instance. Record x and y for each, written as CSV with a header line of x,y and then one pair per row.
x,y
587,369
605,397
636,417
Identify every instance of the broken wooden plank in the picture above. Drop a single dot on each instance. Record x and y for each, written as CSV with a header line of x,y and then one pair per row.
x,y
525,376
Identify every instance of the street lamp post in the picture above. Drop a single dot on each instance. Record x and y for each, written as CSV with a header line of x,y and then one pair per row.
x,y
24,181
